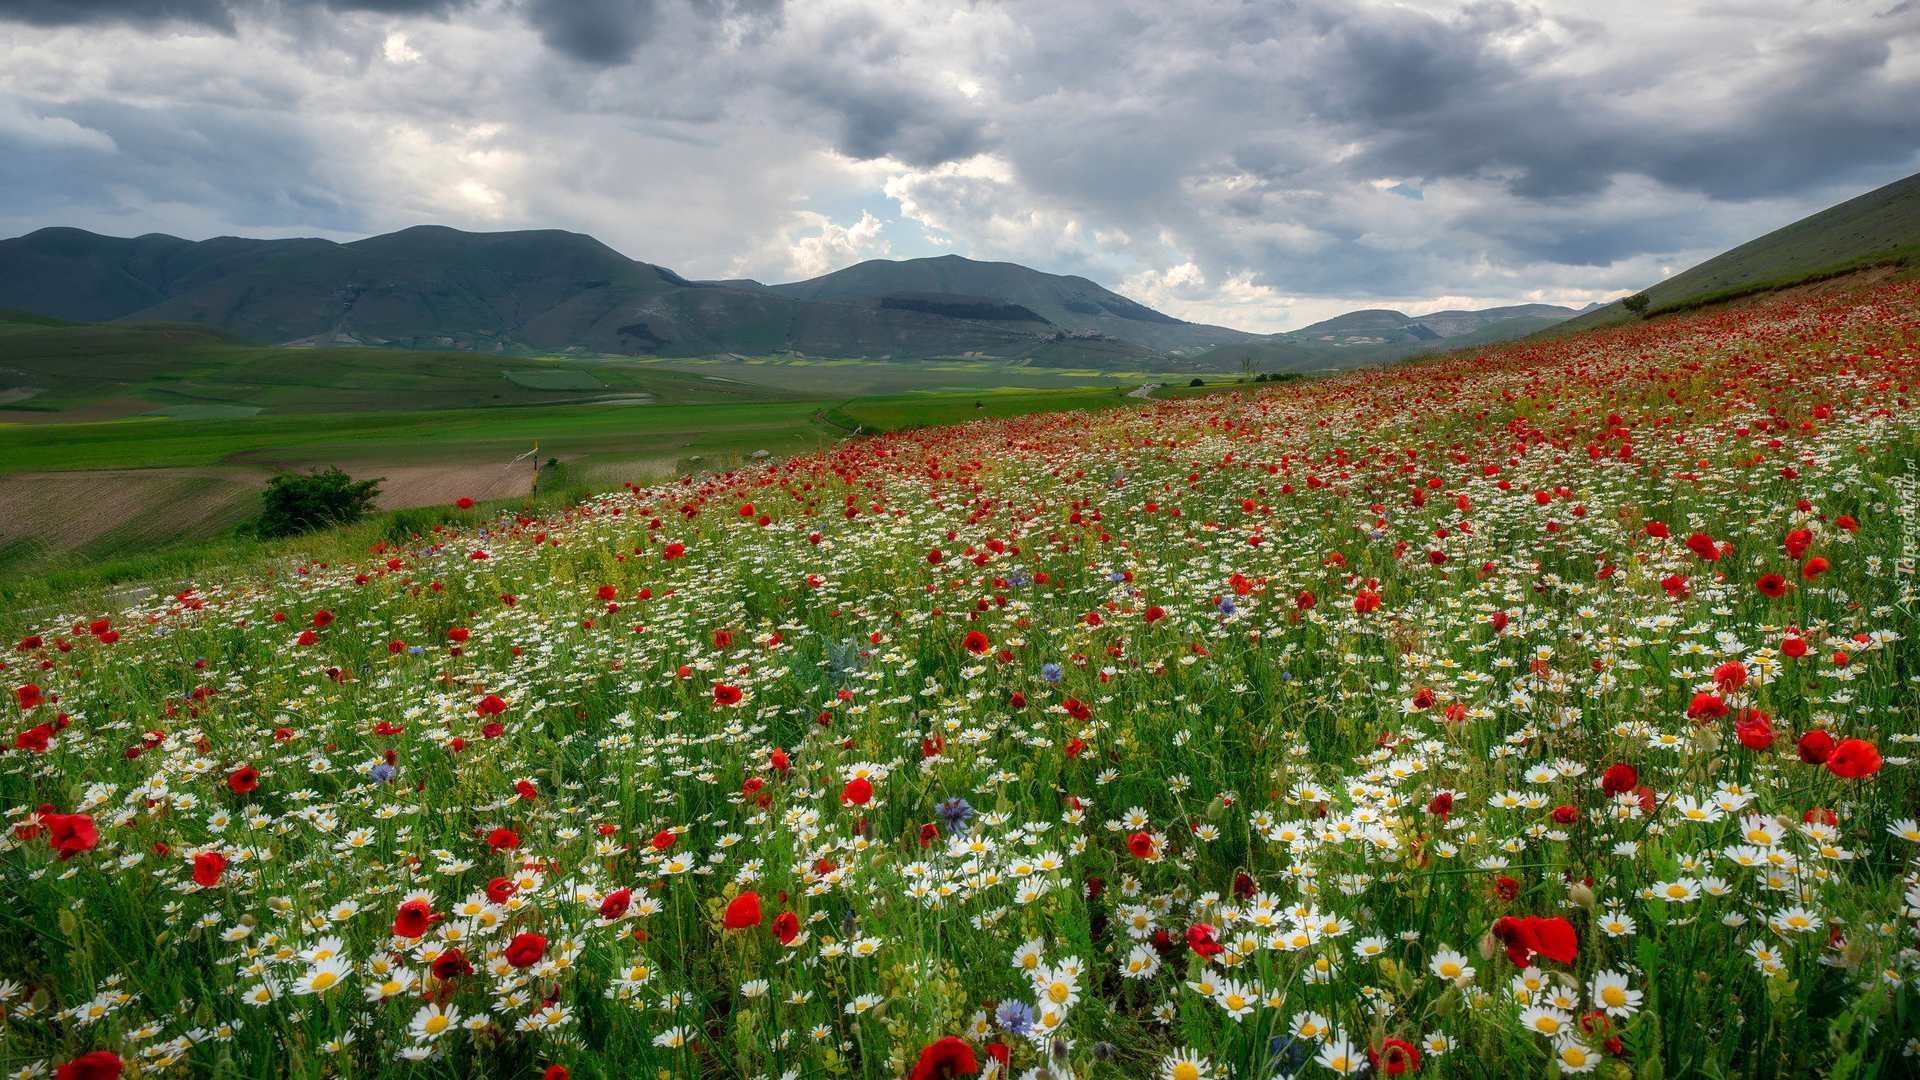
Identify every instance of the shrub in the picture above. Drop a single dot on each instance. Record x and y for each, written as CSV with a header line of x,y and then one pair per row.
x,y
1198,382
1637,303
293,504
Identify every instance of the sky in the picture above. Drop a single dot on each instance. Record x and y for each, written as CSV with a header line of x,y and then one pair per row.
x,y
1259,165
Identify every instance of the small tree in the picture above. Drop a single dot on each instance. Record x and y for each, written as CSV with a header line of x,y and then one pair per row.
x,y
1637,303
293,504
1198,382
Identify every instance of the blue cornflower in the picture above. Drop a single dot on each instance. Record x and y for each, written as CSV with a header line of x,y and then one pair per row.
x,y
416,650
383,772
1227,606
1015,1017
1287,1054
1116,575
1052,672
956,812
1021,579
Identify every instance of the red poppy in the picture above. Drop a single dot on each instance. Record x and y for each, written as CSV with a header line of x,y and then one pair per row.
x,y
1200,940
244,779
977,643
28,696
1814,568
1703,545
1077,709
1244,886
1730,676
1505,888
929,833
1657,530
1304,601
1854,758
34,738
1155,614
491,705
786,927
451,964
526,790
459,634
463,503
207,867
98,1065
1619,778
615,903
1794,646
673,551
857,792
1797,542
503,839
1676,587
727,695
499,890
1565,815
743,912
413,918
70,834
525,950
1772,585
1394,1057
1754,729
1141,845
1551,938
944,1060
779,760
1815,747
556,1072
1706,707
663,839
1442,804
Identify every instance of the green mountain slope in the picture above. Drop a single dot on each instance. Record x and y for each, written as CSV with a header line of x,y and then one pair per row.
x,y
1074,303
1881,221
436,288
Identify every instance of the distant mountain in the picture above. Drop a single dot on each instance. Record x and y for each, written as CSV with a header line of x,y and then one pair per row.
x,y
430,287
546,292
1879,224
1074,303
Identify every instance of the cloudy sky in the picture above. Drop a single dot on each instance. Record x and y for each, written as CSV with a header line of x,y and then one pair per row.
x,y
1255,164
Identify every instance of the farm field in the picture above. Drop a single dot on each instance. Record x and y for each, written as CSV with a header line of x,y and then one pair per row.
x,y
1545,711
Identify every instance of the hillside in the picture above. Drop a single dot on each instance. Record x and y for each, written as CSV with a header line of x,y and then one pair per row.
x,y
1074,303
76,372
1881,221
437,288
1376,336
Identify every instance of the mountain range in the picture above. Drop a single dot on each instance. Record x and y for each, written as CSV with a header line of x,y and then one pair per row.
x,y
548,292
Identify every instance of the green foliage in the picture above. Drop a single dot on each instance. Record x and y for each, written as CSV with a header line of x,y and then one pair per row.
x,y
1198,382
1637,303
294,504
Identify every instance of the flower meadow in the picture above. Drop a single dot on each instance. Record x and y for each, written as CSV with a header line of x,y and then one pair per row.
x,y
1544,711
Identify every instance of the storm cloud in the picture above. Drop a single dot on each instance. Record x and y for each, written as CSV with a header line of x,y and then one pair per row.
x,y
1258,164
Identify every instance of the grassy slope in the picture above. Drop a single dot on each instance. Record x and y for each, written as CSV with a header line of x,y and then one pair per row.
x,y
184,364
1880,221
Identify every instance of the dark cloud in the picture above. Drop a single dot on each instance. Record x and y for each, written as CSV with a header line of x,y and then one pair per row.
x,y
254,168
218,14
609,32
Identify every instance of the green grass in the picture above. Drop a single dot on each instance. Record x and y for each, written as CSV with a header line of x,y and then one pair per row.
x,y
1879,225
177,366
154,443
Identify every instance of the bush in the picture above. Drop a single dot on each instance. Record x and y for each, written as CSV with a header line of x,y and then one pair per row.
x,y
295,504
1198,382
1637,303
